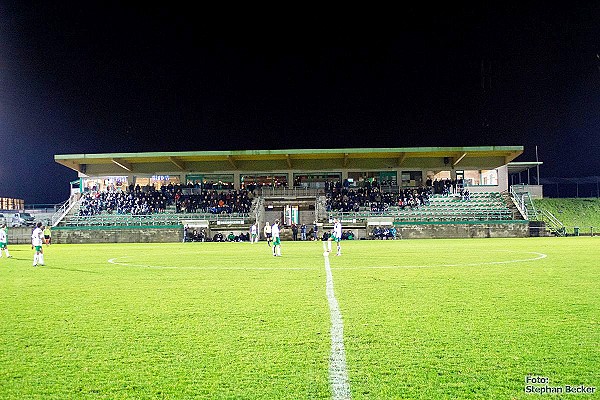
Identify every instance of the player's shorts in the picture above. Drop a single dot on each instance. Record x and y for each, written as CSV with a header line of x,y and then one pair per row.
x,y
335,238
38,248
276,241
2,245
46,237
269,235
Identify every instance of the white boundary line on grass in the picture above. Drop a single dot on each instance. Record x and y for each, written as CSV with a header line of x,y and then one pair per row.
x,y
338,375
538,256
115,261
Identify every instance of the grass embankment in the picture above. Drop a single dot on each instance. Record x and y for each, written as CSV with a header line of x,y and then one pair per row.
x,y
584,212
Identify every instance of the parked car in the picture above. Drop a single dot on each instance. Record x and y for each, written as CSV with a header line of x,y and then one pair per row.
x,y
22,219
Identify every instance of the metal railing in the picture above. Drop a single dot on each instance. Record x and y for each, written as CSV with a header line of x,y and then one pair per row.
x,y
524,204
554,225
64,209
289,192
153,219
426,216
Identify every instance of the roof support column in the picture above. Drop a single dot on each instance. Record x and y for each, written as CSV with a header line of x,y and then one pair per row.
x,y
237,182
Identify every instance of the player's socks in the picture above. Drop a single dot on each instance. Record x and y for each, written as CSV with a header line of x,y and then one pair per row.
x,y
7,253
278,251
41,259
329,246
35,260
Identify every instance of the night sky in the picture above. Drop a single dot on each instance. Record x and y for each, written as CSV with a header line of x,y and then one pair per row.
x,y
79,78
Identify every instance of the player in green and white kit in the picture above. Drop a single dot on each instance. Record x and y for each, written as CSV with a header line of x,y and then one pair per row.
x,y
336,237
37,239
4,241
276,239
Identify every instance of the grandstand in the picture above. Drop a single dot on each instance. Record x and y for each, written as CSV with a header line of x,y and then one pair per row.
x,y
423,192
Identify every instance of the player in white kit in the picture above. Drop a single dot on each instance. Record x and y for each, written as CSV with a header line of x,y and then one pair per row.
x,y
37,239
336,236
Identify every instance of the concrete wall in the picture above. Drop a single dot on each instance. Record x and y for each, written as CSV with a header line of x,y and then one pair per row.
x,y
113,235
175,234
19,235
450,231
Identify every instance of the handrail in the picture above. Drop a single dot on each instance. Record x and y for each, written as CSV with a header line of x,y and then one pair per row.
x,y
152,219
64,209
447,215
556,226
286,191
525,204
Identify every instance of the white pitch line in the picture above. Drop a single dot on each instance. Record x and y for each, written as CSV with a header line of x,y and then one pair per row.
x,y
338,375
537,256
125,264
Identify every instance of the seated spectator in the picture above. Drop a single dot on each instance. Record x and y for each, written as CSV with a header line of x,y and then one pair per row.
x,y
392,233
244,237
218,237
465,195
377,232
385,234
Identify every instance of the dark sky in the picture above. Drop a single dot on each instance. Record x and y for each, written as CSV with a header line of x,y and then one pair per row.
x,y
79,78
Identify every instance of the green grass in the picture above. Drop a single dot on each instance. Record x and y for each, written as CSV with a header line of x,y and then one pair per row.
x,y
425,319
582,212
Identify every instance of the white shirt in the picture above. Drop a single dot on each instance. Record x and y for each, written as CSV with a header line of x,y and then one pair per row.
x,y
2,236
36,237
267,229
337,229
253,229
275,231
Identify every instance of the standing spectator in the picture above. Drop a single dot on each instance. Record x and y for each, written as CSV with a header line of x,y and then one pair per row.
x,y
303,232
315,231
294,232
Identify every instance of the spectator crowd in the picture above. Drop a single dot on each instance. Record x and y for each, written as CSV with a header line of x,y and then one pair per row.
x,y
375,200
148,200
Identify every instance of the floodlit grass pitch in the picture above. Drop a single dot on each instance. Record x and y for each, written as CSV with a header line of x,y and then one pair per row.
x,y
422,319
